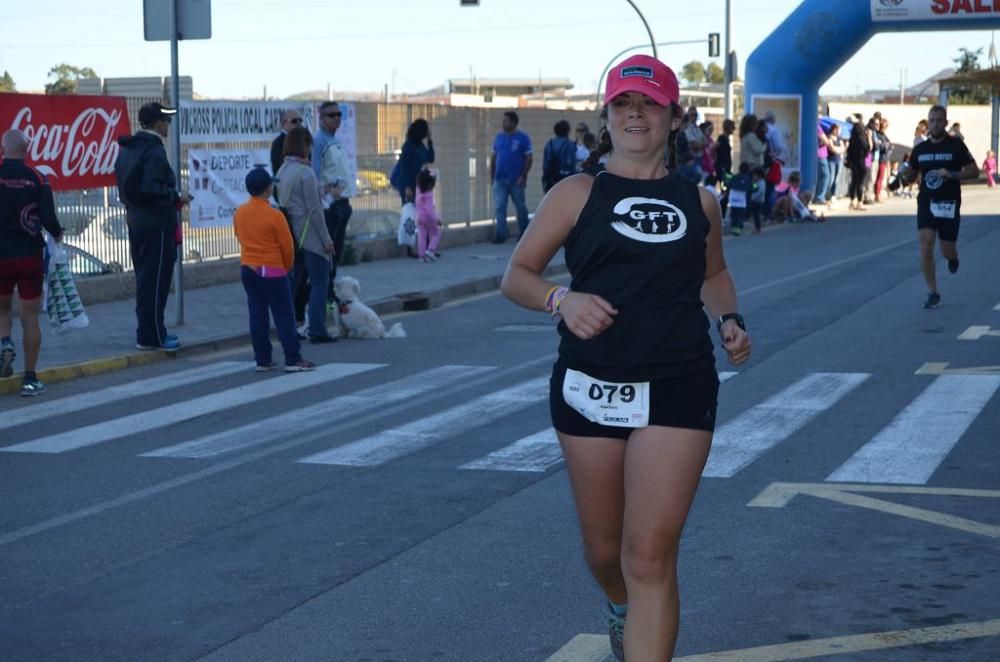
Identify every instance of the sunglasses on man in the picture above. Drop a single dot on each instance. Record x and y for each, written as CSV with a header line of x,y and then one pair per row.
x,y
296,120
336,114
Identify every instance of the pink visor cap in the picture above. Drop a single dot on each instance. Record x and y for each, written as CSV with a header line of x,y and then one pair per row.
x,y
644,74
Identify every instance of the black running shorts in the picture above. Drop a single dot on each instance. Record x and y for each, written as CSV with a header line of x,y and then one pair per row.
x,y
946,228
685,401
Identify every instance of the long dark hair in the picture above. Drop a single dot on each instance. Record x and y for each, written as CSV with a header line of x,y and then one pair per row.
x,y
418,130
748,125
604,145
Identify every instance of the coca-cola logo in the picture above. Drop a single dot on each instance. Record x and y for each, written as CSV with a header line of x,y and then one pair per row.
x,y
87,146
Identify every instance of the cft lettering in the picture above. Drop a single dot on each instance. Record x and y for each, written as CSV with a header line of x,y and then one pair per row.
x,y
965,6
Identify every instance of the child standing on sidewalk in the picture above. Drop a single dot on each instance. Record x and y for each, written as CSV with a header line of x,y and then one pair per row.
x,y
990,168
267,253
428,220
740,188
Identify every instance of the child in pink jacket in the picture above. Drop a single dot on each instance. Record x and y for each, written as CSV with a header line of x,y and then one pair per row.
x,y
990,168
428,220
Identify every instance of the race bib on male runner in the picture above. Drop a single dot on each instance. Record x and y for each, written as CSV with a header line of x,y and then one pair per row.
x,y
737,199
943,209
620,405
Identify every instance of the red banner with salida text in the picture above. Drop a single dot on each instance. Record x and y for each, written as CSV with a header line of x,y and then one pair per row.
x,y
74,139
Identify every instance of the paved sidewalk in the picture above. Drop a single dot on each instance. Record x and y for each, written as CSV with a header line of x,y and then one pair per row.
x,y
216,316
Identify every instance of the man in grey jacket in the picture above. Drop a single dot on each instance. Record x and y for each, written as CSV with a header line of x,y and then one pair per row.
x,y
148,188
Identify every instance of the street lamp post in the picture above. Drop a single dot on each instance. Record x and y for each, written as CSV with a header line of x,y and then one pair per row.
x,y
652,41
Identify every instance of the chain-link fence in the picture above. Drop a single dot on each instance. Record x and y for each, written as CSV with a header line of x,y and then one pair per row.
x,y
94,219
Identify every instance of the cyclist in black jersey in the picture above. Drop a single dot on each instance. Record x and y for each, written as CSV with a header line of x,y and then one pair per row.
x,y
942,161
633,393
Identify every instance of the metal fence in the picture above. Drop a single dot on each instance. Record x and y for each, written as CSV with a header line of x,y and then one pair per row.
x,y
94,219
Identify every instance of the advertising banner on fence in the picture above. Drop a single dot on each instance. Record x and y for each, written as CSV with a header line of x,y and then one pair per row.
x,y
74,138
217,182
934,10
238,121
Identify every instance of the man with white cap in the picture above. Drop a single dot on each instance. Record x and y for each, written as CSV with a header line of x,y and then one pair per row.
x,y
148,188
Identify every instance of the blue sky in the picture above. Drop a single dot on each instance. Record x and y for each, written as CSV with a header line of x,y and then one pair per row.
x,y
412,45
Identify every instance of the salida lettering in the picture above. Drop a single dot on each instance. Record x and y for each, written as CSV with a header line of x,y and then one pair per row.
x,y
84,147
965,6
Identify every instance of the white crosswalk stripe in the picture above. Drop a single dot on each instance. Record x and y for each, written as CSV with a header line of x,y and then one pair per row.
x,y
182,411
424,432
742,440
910,449
535,453
51,408
328,412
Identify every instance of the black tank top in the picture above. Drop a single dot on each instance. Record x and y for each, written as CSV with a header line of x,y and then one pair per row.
x,y
640,244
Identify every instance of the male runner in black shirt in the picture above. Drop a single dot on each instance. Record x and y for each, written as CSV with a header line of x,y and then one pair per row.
x,y
942,161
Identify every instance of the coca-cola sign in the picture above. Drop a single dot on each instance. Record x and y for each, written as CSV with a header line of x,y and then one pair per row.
x,y
74,139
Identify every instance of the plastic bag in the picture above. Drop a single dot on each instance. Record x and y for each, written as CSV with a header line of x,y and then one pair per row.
x,y
62,300
407,235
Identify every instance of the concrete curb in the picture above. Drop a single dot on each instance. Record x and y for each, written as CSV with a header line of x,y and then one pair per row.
x,y
385,306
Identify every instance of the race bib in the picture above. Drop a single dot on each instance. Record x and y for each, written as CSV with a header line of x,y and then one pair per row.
x,y
607,403
943,209
737,199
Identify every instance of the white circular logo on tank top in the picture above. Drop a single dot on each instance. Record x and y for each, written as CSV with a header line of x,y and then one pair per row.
x,y
933,180
650,220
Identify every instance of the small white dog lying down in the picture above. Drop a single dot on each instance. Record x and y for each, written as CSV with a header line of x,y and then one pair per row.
x,y
356,320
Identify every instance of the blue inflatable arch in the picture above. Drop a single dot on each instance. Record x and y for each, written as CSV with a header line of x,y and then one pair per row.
x,y
785,72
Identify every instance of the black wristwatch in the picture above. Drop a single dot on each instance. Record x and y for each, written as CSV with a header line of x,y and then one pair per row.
x,y
731,316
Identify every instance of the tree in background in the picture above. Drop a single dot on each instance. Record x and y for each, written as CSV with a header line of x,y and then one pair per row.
x,y
7,83
716,74
693,72
66,78
967,62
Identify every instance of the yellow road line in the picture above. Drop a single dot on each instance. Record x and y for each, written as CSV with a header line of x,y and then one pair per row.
x,y
777,495
594,647
801,650
583,648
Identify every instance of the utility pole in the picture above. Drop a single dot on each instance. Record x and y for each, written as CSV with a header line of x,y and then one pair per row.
x,y
730,61
175,149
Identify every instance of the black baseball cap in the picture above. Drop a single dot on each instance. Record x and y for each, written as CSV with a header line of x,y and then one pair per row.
x,y
154,111
257,181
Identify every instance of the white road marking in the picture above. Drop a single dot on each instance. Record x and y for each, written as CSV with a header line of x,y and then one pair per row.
x,y
52,408
422,433
977,332
595,648
740,441
187,410
534,453
725,376
372,418
910,448
528,328
321,414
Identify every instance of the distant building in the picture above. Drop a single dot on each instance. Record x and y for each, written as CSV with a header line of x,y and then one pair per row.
x,y
926,91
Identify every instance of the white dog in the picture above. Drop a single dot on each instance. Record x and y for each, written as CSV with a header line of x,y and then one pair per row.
x,y
356,320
